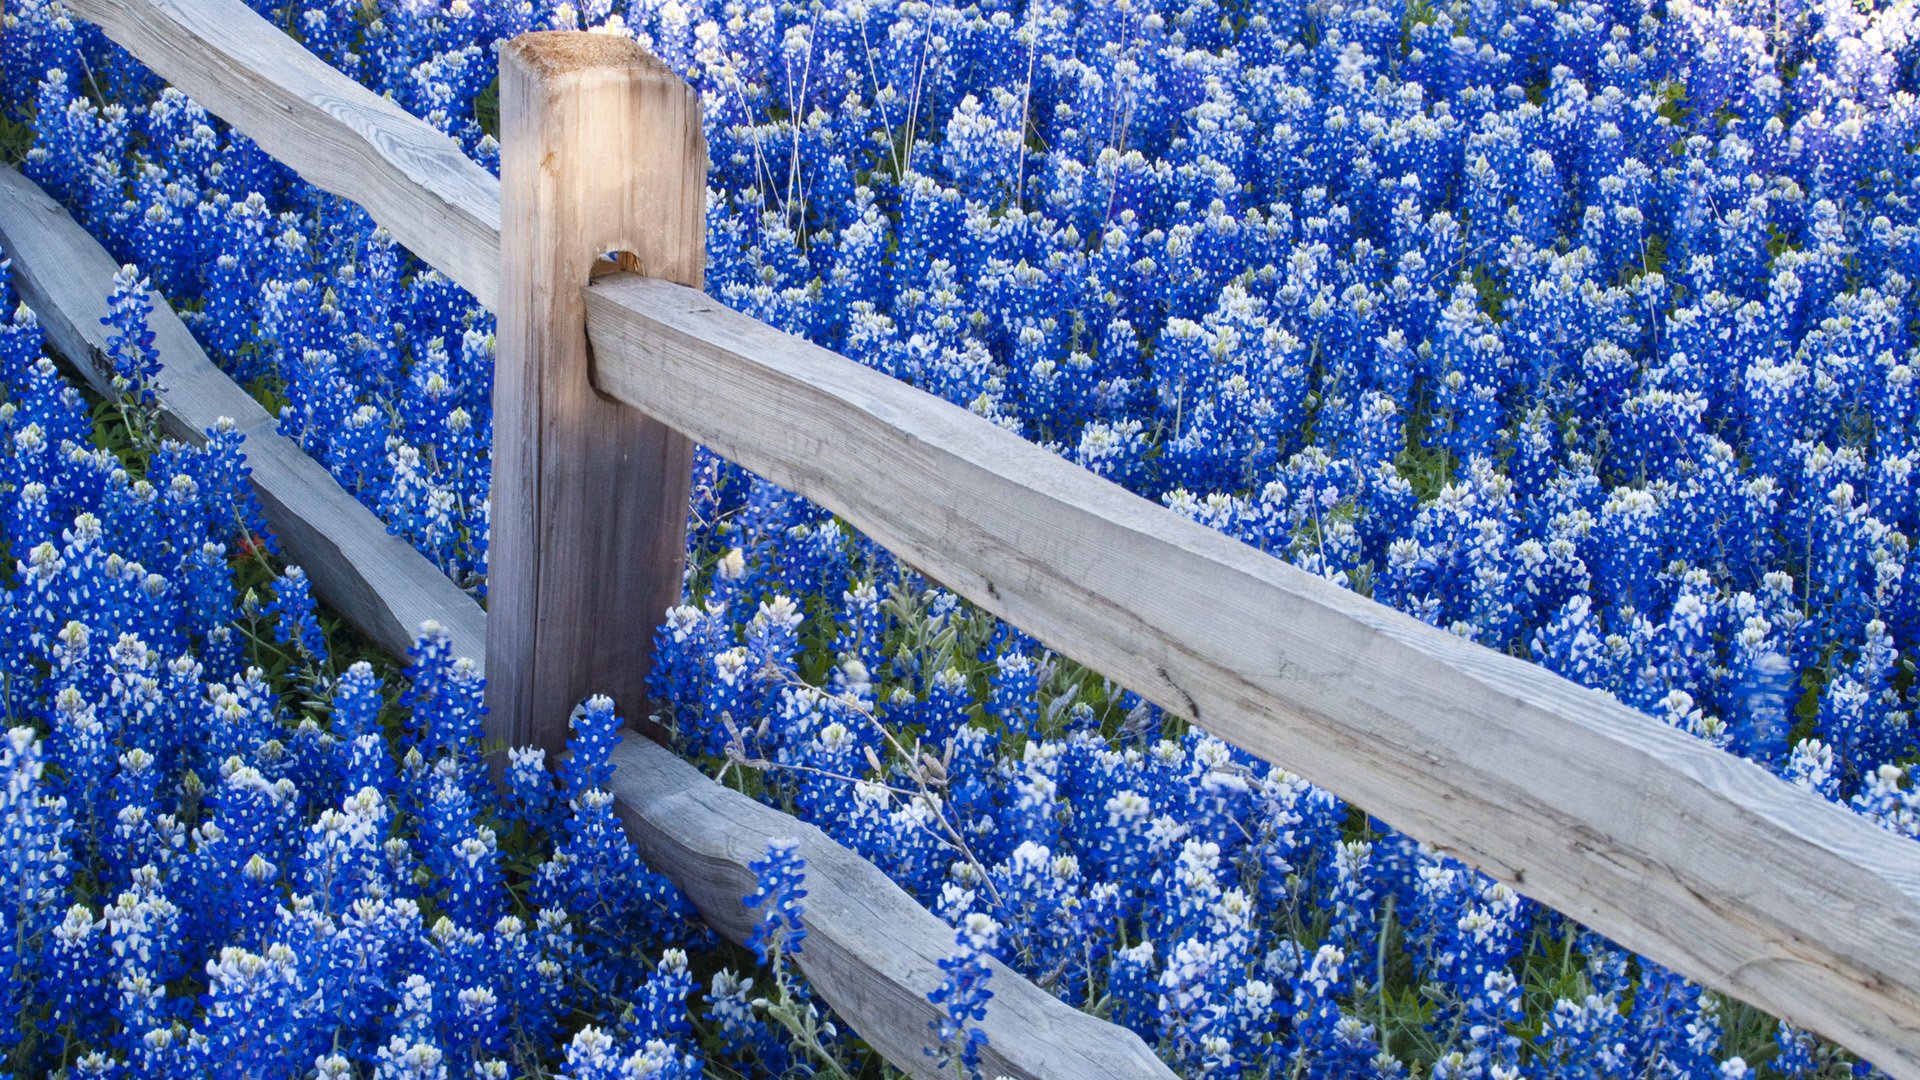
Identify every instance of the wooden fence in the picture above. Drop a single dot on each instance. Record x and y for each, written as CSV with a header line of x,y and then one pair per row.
x,y
1703,861
873,952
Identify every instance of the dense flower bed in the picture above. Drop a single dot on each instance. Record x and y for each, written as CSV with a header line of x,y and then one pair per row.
x,y
1581,329
223,855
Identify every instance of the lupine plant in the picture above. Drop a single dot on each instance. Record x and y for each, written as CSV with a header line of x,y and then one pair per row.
x,y
230,850
778,899
962,998
1582,330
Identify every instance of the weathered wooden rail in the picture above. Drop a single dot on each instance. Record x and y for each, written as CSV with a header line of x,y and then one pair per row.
x,y
1700,860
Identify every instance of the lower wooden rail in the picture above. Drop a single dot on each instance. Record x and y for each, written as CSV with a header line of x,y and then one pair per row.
x,y
871,950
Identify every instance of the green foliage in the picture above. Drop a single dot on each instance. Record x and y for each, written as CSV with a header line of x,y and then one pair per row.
x,y
16,138
486,108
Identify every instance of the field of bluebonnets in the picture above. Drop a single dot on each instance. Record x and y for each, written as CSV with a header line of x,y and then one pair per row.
x,y
1582,329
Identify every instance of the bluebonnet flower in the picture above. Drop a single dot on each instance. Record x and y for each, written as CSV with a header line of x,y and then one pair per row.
x,y
251,1001
444,696
596,730
747,1035
130,347
778,893
962,997
298,625
594,1055
530,795
1327,1038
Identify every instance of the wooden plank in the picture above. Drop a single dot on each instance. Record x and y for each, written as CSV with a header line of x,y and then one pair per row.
x,y
601,150
377,581
1696,858
871,951
335,133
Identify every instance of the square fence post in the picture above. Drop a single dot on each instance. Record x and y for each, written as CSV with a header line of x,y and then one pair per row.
x,y
601,151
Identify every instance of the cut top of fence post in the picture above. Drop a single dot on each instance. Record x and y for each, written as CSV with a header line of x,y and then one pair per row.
x,y
633,145
601,151
561,53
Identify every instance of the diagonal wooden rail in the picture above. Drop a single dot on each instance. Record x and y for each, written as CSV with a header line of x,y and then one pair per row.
x,y
1699,859
1703,862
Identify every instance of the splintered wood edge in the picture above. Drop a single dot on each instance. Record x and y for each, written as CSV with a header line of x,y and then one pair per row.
x,y
550,53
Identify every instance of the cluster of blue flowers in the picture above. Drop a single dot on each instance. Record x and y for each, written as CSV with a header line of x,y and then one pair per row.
x,y
381,372
779,896
1579,328
221,855
962,998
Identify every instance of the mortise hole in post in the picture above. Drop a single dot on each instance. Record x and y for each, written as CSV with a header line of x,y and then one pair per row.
x,y
614,262
607,265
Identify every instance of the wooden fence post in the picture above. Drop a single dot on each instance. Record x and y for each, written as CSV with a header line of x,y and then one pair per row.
x,y
601,152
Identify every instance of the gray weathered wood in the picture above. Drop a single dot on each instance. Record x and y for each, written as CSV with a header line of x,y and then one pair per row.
x,y
335,133
601,151
1697,858
376,580
871,950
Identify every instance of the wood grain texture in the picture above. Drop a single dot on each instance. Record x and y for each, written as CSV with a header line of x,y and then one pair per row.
x,y
337,134
601,151
871,951
376,580
1697,858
